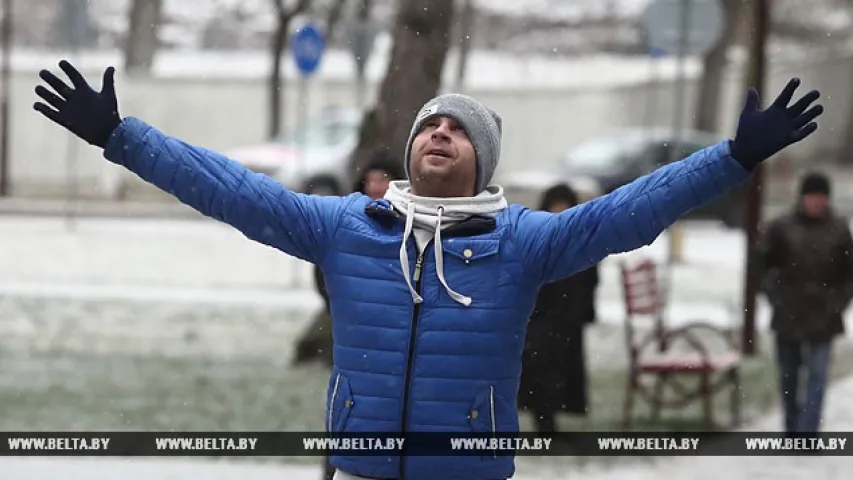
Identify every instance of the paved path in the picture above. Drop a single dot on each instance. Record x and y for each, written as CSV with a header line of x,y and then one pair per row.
x,y
838,417
152,203
17,206
34,468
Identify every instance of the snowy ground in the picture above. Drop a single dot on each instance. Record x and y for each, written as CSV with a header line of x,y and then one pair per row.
x,y
180,260
146,255
188,302
188,262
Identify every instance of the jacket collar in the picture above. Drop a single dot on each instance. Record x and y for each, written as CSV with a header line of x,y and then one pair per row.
x,y
383,212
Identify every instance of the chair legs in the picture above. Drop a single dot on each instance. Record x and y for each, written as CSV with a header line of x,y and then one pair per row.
x,y
629,401
657,398
707,392
734,379
707,399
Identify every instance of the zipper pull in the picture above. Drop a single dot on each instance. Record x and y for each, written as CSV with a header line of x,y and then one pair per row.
x,y
418,264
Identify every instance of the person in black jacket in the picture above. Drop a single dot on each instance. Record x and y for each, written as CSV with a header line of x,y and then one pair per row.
x,y
553,377
316,342
806,268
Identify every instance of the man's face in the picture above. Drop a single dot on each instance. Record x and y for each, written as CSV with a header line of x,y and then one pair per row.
x,y
376,183
815,204
442,151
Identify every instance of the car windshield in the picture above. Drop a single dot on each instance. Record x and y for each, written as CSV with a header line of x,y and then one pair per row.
x,y
602,153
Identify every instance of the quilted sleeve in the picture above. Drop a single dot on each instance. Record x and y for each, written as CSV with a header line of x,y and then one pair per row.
x,y
559,245
223,189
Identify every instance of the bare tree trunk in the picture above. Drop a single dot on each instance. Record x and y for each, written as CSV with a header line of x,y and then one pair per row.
x,y
714,69
142,41
364,10
333,18
277,81
845,156
421,40
278,46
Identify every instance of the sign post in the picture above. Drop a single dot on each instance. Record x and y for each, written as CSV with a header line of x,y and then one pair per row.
x,y
76,29
655,55
684,27
307,45
362,34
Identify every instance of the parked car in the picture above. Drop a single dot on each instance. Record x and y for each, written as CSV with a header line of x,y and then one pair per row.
x,y
313,159
604,163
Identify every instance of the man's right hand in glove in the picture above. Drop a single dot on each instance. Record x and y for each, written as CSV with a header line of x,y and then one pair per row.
x,y
89,114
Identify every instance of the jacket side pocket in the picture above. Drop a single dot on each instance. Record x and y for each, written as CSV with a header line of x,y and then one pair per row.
x,y
340,405
483,416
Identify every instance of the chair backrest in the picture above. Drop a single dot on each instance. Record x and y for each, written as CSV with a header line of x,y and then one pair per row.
x,y
643,297
641,288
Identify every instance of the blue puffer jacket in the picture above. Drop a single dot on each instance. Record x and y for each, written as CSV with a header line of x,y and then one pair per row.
x,y
439,366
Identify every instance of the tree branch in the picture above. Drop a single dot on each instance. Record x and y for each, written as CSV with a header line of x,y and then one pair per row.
x,y
334,16
300,7
283,13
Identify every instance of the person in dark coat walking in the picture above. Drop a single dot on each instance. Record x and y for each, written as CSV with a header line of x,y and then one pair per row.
x,y
808,279
553,377
316,342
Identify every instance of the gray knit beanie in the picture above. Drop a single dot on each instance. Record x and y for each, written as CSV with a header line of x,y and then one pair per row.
x,y
481,123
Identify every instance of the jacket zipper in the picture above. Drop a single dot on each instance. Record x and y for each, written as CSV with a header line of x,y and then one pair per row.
x,y
492,415
334,397
413,336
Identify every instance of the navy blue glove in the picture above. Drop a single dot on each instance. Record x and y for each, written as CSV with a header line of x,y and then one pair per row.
x,y
762,133
86,113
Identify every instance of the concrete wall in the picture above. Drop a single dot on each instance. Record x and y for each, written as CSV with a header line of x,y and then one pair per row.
x,y
540,123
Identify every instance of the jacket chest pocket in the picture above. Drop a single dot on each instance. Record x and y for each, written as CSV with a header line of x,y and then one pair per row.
x,y
472,267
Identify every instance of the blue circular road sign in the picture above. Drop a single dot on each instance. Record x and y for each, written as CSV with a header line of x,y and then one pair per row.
x,y
308,45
